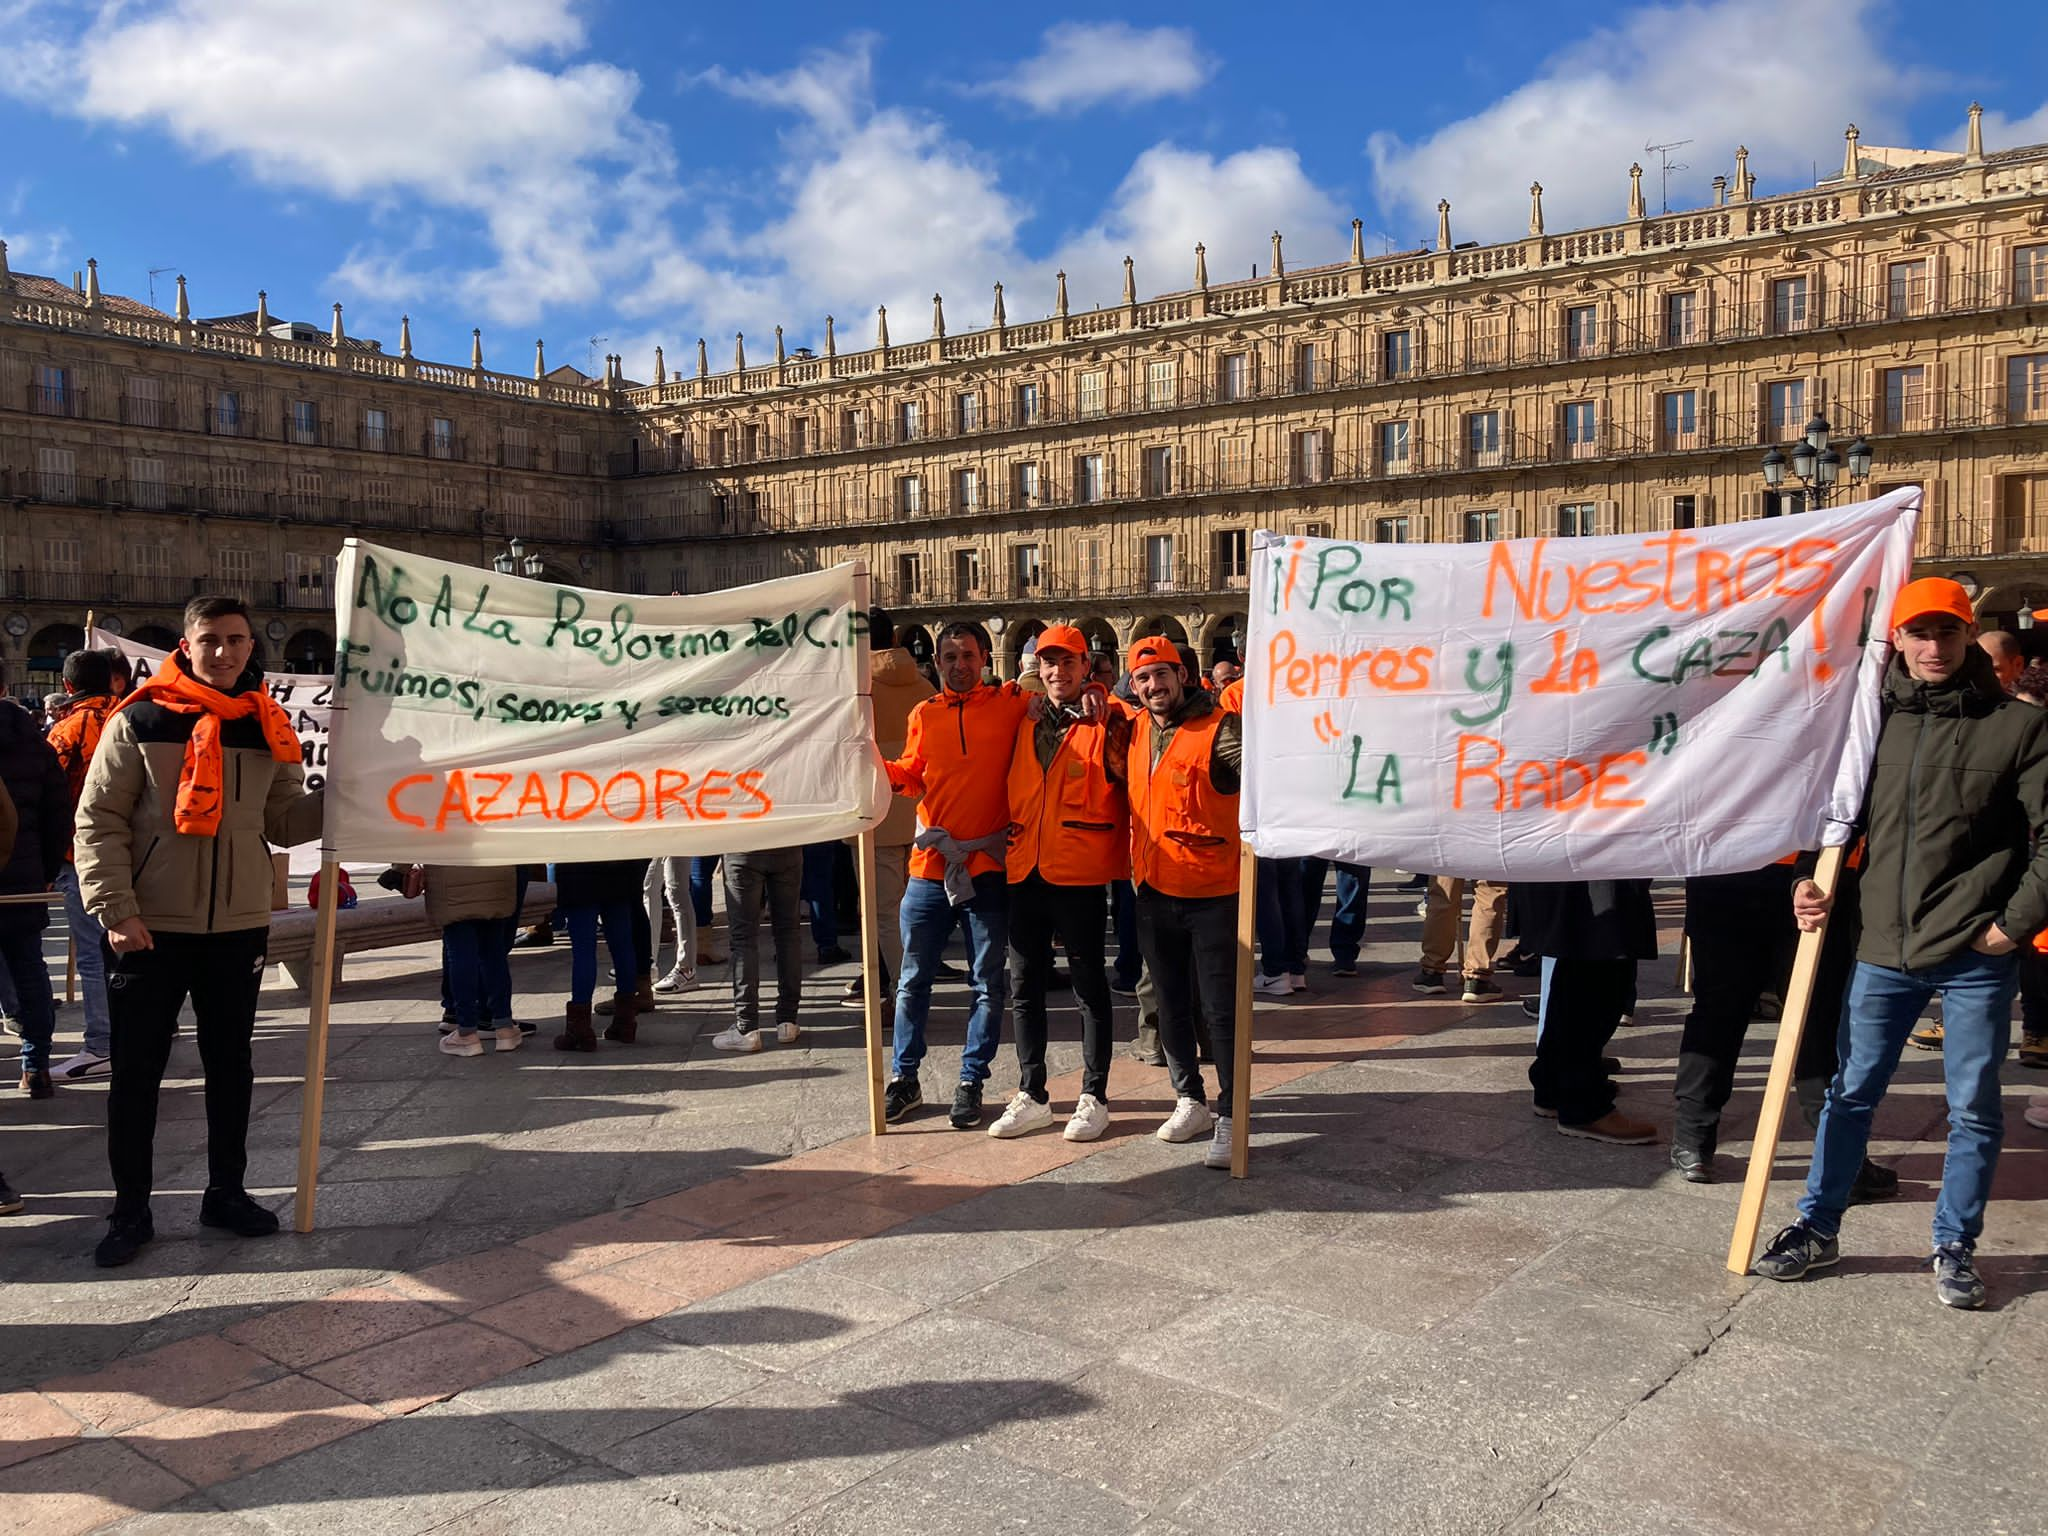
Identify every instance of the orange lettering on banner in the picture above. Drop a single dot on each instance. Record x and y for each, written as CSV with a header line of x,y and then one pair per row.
x,y
666,794
1327,674
1560,784
391,799
1671,573
709,791
454,801
626,797
562,811
533,792
750,783
639,786
1583,673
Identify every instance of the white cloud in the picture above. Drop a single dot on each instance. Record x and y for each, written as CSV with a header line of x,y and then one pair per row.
x,y
1085,64
1721,73
2002,132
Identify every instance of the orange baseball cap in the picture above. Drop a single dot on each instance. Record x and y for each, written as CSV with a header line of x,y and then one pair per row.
x,y
1151,651
1932,594
1062,637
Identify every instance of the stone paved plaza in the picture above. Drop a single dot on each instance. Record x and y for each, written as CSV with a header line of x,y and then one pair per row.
x,y
669,1290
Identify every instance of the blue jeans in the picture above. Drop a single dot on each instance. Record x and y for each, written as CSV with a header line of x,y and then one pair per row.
x,y
928,918
820,897
21,956
618,937
88,938
479,971
1347,923
703,869
1976,1013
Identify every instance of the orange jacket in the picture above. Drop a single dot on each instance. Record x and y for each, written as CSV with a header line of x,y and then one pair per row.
x,y
957,756
1232,696
1184,831
1079,833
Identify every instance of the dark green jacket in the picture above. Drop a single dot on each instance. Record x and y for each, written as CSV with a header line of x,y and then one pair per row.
x,y
1958,792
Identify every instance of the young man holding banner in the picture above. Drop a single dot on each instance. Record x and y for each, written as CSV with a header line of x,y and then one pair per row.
x,y
1955,877
197,773
1186,758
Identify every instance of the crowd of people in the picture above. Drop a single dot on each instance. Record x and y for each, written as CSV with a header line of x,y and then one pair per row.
x,y
1095,798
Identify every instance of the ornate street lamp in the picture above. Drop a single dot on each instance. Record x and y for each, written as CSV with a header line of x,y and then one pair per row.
x,y
1816,465
514,558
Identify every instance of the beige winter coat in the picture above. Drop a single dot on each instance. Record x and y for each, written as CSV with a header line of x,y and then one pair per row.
x,y
458,895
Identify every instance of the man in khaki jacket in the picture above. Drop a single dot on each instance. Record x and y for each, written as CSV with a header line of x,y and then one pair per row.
x,y
196,774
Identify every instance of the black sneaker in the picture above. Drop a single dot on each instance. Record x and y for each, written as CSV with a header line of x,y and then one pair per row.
x,y
234,1210
1429,981
1797,1251
1956,1281
10,1202
1482,989
1875,1182
966,1112
124,1239
1344,968
1532,1007
902,1098
834,954
1694,1164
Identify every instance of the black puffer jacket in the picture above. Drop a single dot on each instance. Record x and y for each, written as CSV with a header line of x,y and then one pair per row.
x,y
599,884
1958,792
42,807
1587,919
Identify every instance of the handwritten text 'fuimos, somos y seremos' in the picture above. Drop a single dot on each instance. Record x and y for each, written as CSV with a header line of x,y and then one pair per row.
x,y
615,638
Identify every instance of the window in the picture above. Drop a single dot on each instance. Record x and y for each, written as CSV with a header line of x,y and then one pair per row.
x,y
967,412
1685,512
1094,393
799,434
62,556
447,505
377,495
1162,384
1905,399
909,495
1486,340
518,447
1308,366
966,490
2029,274
1680,412
305,422
1581,429
1788,304
1581,330
150,564
909,420
1784,503
1026,570
227,413
1158,471
1159,562
1393,446
1481,525
516,507
910,576
1088,481
56,474
1231,547
50,393
1905,289
1233,377
305,580
146,483
235,569
721,445
231,491
1091,569
1397,354
1784,410
1577,519
2026,388
1680,312
143,404
305,492
853,430
1024,483
1234,460
1025,402
1390,530
441,439
1308,456
966,573
1482,439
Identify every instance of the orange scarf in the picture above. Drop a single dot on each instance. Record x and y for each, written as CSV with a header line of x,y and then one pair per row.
x,y
199,781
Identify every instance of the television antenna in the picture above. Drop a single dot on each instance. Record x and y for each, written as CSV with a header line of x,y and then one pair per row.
x,y
154,274
595,343
1666,165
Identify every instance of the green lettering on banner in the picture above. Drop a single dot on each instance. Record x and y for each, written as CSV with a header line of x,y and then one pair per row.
x,y
1386,787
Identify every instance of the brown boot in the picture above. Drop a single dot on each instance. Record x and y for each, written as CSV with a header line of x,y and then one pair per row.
x,y
625,1025
643,995
577,1034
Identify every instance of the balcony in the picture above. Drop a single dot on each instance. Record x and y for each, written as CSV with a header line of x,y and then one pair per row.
x,y
143,411
56,400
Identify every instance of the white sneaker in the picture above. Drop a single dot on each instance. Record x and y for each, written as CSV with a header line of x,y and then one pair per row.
x,y
509,1037
1089,1120
2037,1112
1190,1118
1271,986
786,1033
680,978
1023,1114
1297,981
459,1044
1218,1155
733,1038
82,1066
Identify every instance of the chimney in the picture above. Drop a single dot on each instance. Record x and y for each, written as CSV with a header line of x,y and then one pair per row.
x,y
1536,208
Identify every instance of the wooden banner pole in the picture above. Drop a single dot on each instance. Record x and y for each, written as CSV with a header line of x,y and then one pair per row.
x,y
1241,1045
314,1097
871,982
1770,1118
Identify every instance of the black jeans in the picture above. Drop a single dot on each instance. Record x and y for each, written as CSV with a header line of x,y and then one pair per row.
x,y
1743,937
1190,945
223,975
1581,1012
1074,914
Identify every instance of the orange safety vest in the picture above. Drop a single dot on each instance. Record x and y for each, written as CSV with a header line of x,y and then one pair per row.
x,y
1232,697
1077,834
1183,829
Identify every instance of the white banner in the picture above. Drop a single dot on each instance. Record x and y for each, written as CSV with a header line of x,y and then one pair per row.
x,y
306,697
488,719
1687,702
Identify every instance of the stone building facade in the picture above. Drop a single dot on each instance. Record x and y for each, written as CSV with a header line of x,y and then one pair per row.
x,y
1103,467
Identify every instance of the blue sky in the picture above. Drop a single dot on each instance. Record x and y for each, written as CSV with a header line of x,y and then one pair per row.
x,y
650,172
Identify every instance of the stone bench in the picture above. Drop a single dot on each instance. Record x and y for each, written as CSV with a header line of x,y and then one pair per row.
x,y
384,924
